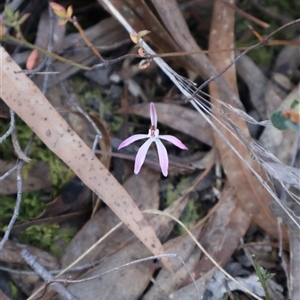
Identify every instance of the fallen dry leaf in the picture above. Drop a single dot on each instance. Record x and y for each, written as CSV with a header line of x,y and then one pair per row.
x,y
120,247
250,191
146,184
21,95
3,296
256,82
38,177
11,253
127,283
225,228
294,245
130,282
189,291
74,197
70,217
141,17
143,190
251,194
11,256
280,143
107,35
77,121
185,247
4,110
32,58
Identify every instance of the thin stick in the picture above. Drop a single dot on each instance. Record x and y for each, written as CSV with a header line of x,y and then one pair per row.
x,y
52,55
246,15
231,297
170,255
6,174
17,206
86,40
263,42
187,53
11,126
79,258
13,169
151,211
17,148
52,272
43,273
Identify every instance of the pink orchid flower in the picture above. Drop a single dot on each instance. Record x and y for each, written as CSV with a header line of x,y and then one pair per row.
x,y
153,136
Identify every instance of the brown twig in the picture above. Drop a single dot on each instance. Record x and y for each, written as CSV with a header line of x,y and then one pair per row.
x,y
246,15
263,42
188,53
231,297
86,40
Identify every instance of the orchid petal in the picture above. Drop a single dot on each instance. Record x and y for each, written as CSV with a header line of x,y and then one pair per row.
x,y
132,139
141,155
162,156
153,115
174,140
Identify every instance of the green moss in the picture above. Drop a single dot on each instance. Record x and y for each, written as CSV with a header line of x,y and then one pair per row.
x,y
116,125
80,84
265,56
14,290
173,193
89,92
6,208
189,217
262,56
44,237
280,6
60,173
6,150
30,207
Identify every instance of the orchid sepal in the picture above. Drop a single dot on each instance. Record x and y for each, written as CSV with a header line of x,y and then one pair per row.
x,y
153,115
141,155
132,139
174,140
163,157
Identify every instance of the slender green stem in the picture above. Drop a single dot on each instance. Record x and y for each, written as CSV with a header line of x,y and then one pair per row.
x,y
52,55
85,38
262,275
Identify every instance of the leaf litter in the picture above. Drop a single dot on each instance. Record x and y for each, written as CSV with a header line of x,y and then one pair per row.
x,y
188,89
229,121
